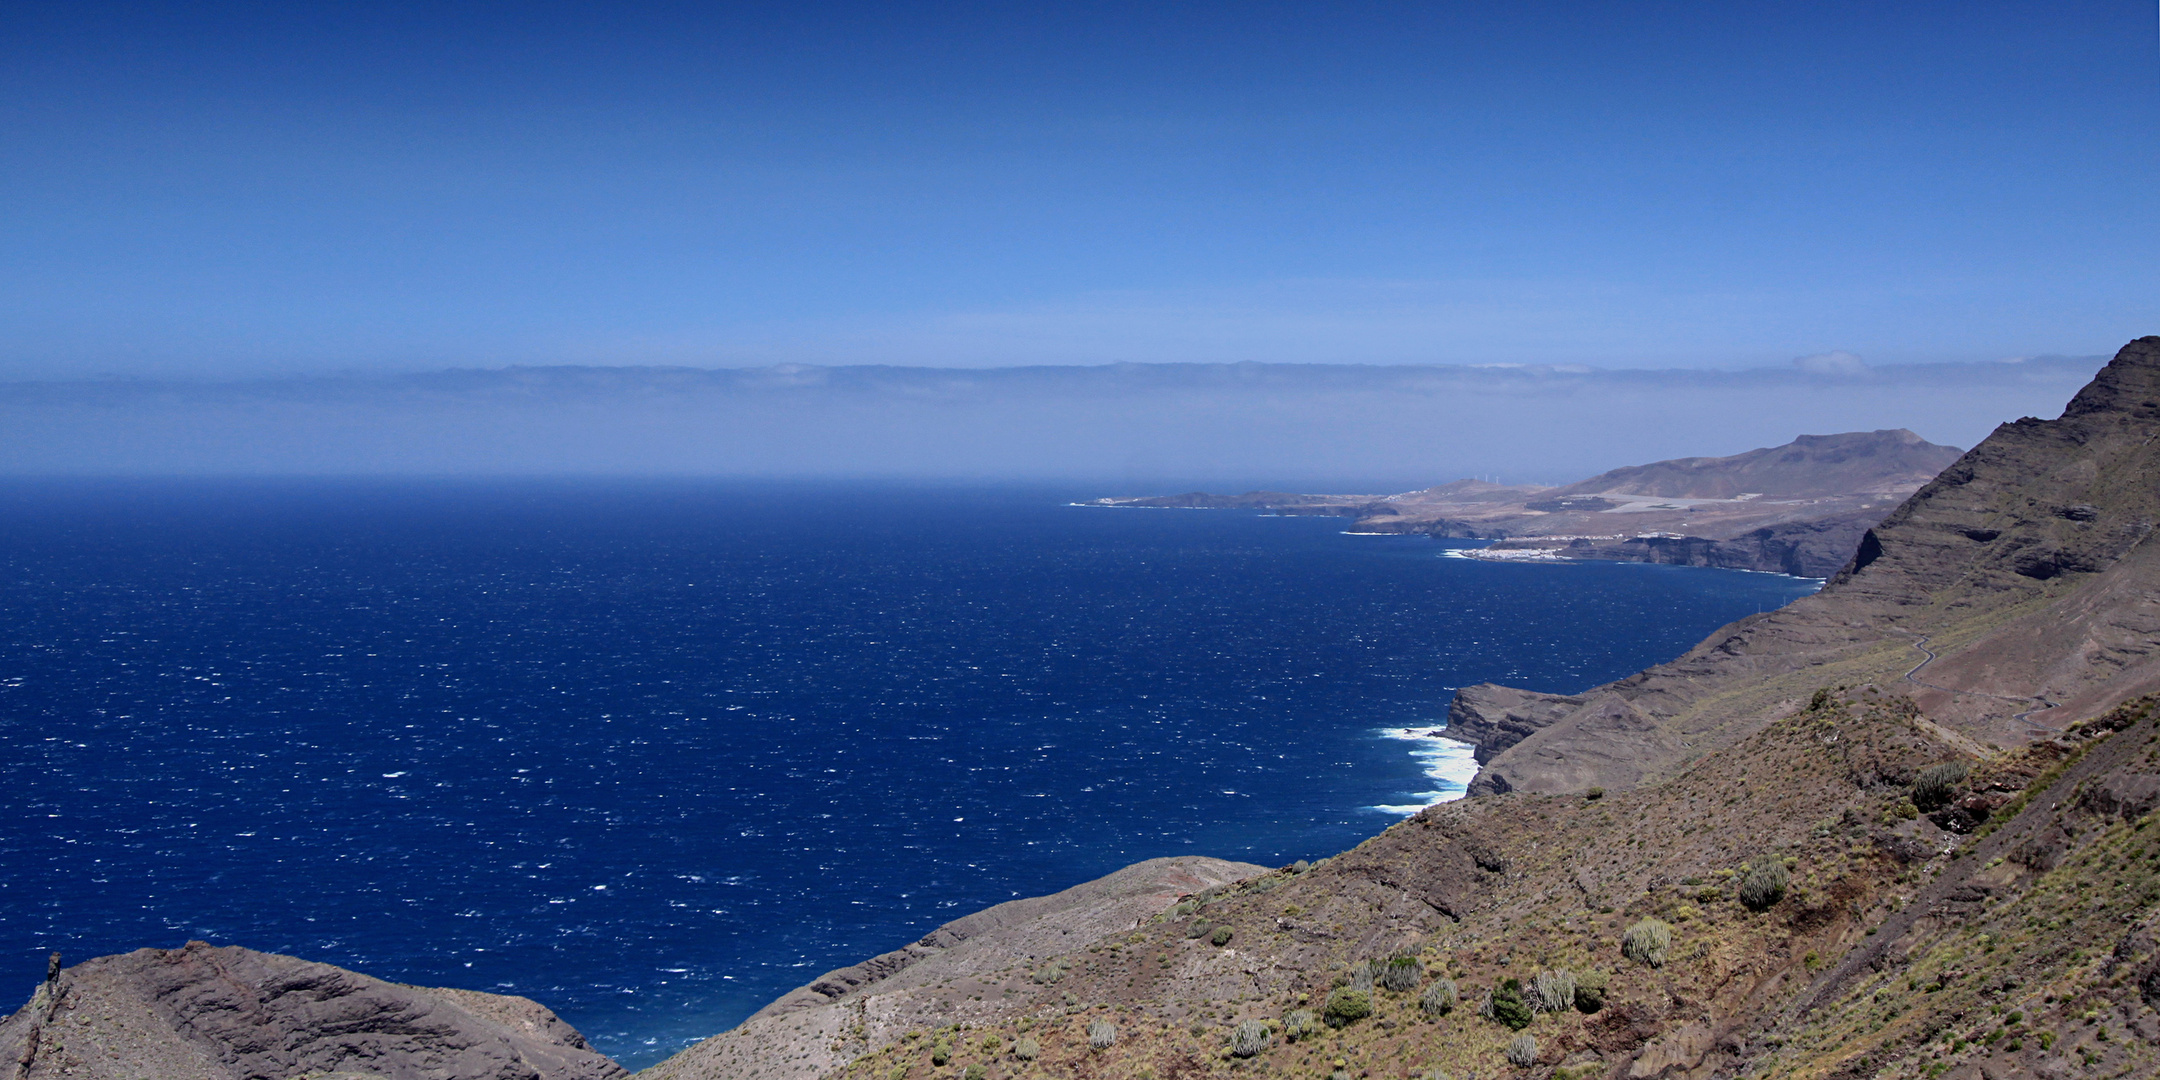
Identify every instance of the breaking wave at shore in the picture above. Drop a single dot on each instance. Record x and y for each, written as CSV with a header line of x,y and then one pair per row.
x,y
1451,765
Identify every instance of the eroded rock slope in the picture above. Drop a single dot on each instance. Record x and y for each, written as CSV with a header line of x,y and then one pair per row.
x,y
208,1013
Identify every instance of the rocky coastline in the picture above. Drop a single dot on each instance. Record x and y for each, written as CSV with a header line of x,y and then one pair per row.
x,y
1902,828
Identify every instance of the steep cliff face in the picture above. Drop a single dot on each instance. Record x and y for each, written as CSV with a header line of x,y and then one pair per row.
x,y
2014,585
1815,548
207,1013
1908,828
1494,717
1816,851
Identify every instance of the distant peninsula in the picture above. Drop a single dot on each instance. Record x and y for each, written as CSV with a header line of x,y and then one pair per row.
x,y
1797,509
1901,828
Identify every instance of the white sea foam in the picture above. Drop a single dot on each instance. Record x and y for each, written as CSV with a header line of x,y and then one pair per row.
x,y
1450,765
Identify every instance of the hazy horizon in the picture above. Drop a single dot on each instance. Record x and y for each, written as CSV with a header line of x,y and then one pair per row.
x,y
1123,428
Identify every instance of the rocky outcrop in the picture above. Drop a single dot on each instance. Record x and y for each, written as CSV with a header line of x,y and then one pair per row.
x,y
1492,717
964,968
202,1012
1812,549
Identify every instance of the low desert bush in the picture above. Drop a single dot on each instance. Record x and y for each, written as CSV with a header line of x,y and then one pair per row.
x,y
1764,883
1938,784
1250,1038
1439,998
1646,942
1102,1035
1027,1048
1590,990
1508,1006
1221,936
1402,973
1523,1051
1347,1005
1299,1024
1552,991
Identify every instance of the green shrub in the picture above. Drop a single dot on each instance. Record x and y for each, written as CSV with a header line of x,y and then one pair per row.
x,y
1439,998
1298,1024
940,1053
1250,1038
1938,784
1346,1006
1102,1035
1523,1051
1508,1007
1198,929
1552,991
1594,794
1221,936
1646,942
992,1043
1027,1048
1764,883
1590,990
1402,973
975,1072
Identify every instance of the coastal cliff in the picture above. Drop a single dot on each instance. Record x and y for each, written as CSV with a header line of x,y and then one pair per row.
x,y
1898,829
1904,828
1797,509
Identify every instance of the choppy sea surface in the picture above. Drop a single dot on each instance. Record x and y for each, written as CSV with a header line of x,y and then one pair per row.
x,y
654,752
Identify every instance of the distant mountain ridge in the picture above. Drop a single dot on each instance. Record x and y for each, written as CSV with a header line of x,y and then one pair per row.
x,y
1810,466
1799,508
1904,828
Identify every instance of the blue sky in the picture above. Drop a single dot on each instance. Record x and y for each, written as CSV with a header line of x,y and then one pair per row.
x,y
218,189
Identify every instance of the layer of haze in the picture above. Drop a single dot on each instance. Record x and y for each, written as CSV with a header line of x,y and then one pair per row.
x,y
283,189
1122,428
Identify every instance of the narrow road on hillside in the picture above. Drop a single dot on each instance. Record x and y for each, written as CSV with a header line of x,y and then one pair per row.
x,y
1920,642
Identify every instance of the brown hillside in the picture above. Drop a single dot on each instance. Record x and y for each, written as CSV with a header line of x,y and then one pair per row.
x,y
2016,583
1811,466
1861,875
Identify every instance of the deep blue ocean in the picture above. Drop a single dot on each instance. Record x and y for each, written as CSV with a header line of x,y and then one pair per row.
x,y
654,752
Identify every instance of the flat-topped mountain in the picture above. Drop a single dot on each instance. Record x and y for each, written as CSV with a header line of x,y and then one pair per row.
x,y
1797,509
1906,828
2013,596
1809,467
1902,828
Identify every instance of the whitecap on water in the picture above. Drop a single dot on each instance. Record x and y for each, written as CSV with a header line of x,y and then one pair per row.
x,y
1449,764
